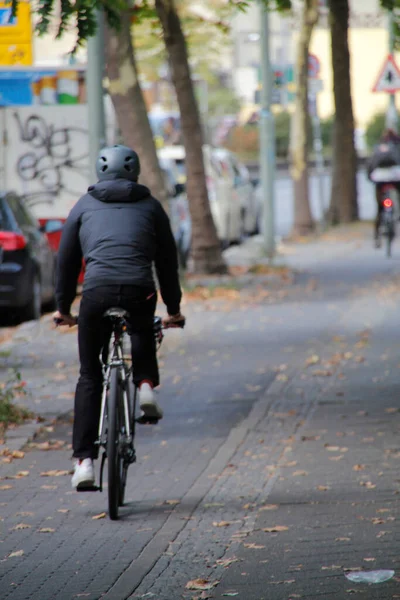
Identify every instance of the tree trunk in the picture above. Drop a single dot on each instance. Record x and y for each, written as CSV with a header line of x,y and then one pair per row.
x,y
343,208
303,222
206,248
130,107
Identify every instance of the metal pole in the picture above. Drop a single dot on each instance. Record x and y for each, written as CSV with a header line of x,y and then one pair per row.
x,y
391,114
95,95
267,138
319,157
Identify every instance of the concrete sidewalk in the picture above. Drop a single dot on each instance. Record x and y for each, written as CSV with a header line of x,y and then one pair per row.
x,y
274,472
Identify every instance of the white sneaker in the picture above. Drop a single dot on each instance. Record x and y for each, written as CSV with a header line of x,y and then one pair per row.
x,y
83,473
148,405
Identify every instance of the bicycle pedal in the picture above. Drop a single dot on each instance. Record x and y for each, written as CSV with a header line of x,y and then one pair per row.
x,y
146,420
88,488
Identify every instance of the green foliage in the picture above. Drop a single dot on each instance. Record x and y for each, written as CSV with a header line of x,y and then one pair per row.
x,y
12,388
244,139
327,131
83,12
222,100
374,129
282,134
243,5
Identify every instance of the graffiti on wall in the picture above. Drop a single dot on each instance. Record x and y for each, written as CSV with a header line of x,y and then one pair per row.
x,y
54,161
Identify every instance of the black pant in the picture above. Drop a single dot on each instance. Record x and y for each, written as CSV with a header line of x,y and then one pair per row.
x,y
92,331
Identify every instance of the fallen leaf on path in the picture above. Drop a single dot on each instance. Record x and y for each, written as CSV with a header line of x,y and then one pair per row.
x,y
17,454
100,516
6,487
282,377
322,373
54,473
268,507
49,487
336,458
16,553
313,360
201,584
323,488
331,568
172,502
368,484
275,529
225,562
63,510
21,526
310,438
371,559
19,475
392,410
342,539
46,530
298,473
254,546
222,523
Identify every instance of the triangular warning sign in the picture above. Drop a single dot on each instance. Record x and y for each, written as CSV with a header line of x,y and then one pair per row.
x,y
389,77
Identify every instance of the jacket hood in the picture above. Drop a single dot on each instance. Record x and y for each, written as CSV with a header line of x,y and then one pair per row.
x,y
118,190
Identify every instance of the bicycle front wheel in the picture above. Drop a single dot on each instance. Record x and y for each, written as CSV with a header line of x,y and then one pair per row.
x,y
114,458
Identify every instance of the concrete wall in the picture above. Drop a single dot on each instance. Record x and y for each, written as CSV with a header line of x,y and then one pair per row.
x,y
45,155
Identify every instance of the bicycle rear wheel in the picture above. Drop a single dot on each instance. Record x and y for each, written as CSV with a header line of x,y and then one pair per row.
x,y
114,457
390,233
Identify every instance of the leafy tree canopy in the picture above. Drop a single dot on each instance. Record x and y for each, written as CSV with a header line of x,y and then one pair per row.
x,y
83,12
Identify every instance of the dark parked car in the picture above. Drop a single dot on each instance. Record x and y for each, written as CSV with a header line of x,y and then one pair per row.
x,y
27,263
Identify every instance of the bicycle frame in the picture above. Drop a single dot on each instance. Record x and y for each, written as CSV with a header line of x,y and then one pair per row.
x,y
117,361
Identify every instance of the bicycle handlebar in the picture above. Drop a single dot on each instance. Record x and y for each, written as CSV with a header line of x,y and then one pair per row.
x,y
176,325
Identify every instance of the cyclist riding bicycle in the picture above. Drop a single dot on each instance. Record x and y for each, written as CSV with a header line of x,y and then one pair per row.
x,y
120,231
384,168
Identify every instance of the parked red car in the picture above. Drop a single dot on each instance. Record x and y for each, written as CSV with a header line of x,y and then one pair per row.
x,y
53,230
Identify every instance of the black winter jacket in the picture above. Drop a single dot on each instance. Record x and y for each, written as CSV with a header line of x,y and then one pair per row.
x,y
120,230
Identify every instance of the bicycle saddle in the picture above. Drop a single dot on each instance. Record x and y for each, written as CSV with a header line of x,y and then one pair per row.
x,y
121,313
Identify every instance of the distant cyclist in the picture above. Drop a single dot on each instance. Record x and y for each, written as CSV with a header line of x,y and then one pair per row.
x,y
120,231
384,168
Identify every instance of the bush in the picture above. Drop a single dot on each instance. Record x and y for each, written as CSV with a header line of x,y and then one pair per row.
x,y
11,413
244,139
327,131
374,129
282,134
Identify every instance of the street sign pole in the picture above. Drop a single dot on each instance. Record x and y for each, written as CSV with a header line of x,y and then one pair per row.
x,y
391,120
95,95
319,158
267,138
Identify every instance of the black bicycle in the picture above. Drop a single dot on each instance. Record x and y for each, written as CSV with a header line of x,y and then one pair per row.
x,y
118,409
387,222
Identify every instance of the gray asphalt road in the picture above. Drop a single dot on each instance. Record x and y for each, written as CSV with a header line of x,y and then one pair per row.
x,y
236,395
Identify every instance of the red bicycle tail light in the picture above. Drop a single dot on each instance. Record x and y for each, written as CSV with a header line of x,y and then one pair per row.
x,y
10,241
388,203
